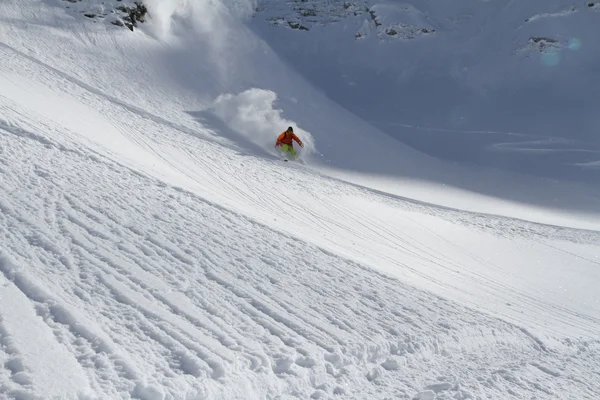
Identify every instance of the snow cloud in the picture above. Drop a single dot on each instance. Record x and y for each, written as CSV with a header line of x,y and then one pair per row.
x,y
252,115
211,33
204,16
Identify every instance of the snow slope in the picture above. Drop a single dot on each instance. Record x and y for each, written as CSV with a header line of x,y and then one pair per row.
x,y
190,72
136,289
150,250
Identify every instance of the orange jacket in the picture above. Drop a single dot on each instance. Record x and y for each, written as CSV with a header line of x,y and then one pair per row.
x,y
286,138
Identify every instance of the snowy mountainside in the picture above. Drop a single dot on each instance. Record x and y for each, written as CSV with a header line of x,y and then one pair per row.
x,y
387,20
154,246
138,288
507,85
117,12
342,145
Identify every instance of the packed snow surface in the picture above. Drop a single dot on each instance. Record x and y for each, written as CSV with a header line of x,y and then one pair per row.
x,y
154,246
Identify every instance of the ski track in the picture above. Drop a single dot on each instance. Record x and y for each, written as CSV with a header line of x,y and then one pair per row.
x,y
203,289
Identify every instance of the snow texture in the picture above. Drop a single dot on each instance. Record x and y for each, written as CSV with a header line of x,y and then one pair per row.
x,y
154,246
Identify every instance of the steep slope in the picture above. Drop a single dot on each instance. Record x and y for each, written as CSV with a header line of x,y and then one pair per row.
x,y
203,52
152,251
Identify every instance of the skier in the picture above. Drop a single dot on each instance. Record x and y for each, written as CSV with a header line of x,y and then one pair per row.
x,y
285,141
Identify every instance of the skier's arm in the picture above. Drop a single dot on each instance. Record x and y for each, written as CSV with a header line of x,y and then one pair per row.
x,y
297,139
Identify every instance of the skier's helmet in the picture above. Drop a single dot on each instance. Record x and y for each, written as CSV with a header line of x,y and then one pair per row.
x,y
290,129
